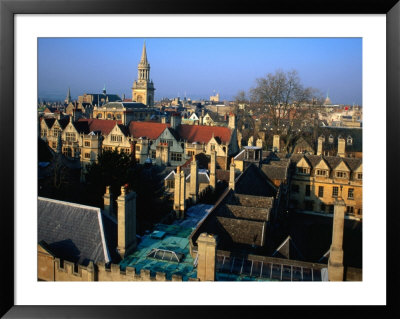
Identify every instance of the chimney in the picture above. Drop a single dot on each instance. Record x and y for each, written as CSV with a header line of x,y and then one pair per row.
x,y
276,143
177,190
206,250
194,179
108,202
335,263
213,166
320,145
341,147
259,143
250,141
232,121
175,120
163,119
232,175
182,200
180,193
126,222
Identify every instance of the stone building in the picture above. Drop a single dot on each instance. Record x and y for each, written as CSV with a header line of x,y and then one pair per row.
x,y
340,141
317,181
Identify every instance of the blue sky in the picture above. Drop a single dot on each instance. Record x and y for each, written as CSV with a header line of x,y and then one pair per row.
x,y
198,66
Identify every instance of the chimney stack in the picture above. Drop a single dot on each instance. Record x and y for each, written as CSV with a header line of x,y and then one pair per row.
x,y
213,166
341,147
206,249
179,193
335,263
232,121
126,222
194,179
108,202
276,143
320,145
232,175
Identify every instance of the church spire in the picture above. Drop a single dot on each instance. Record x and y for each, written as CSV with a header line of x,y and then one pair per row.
x,y
68,98
143,60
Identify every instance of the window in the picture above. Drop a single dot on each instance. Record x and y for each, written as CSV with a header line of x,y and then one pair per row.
x,y
341,174
87,155
109,115
118,116
116,138
330,139
99,116
44,132
153,154
349,140
335,191
321,172
320,191
87,143
176,157
212,147
359,176
350,193
54,144
350,210
137,148
302,170
56,132
70,137
169,142
190,153
170,184
359,211
108,148
295,188
308,190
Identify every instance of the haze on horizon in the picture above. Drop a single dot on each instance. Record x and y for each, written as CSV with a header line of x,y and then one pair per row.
x,y
198,67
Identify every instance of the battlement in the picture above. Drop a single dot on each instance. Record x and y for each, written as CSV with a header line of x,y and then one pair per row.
x,y
69,271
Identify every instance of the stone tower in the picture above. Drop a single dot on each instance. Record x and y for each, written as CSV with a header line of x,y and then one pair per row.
x,y
194,180
143,87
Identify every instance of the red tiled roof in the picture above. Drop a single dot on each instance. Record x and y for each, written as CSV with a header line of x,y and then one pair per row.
x,y
149,129
203,133
105,126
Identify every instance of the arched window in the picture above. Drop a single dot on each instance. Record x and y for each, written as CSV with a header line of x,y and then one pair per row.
x,y
331,138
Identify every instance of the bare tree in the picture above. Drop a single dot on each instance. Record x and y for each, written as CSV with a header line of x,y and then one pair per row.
x,y
285,102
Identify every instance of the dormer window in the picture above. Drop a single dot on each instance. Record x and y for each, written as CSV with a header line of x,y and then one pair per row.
x,y
349,140
331,138
359,175
303,170
341,174
321,172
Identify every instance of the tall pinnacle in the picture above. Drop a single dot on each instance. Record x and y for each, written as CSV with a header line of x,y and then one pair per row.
x,y
68,99
143,59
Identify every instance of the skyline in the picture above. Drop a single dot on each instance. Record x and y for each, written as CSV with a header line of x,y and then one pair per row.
x,y
198,67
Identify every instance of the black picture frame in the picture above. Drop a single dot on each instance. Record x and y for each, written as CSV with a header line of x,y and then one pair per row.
x,y
9,8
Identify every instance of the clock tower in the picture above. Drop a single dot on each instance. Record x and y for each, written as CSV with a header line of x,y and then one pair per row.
x,y
143,87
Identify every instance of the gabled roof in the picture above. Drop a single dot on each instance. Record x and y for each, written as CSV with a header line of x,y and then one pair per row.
x,y
150,130
254,182
93,125
333,161
288,250
203,133
49,122
73,232
355,133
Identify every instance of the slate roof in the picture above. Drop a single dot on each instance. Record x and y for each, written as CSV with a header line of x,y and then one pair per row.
x,y
97,96
275,172
75,232
94,125
355,133
150,130
202,161
203,133
127,105
332,161
49,122
288,250
254,182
